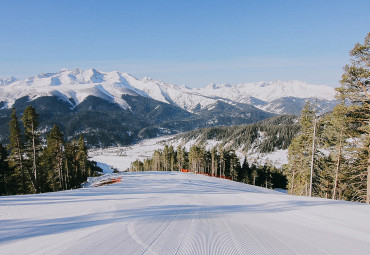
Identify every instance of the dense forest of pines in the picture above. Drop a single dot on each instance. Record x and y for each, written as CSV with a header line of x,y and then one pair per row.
x,y
264,136
330,157
27,166
217,162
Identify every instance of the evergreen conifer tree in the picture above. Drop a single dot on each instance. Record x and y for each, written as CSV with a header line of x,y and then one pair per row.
x,y
336,131
4,171
234,165
16,159
82,159
354,88
53,159
214,161
180,157
32,145
242,175
300,154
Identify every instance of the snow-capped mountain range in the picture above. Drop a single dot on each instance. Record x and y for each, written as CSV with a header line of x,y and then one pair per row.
x,y
113,108
74,86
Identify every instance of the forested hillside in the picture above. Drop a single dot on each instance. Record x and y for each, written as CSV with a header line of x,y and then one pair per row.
x,y
264,136
104,123
222,159
34,166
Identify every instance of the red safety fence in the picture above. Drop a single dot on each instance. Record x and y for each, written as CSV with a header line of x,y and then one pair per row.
x,y
207,174
114,180
108,181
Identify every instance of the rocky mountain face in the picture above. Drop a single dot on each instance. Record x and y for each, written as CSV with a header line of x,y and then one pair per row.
x,y
116,108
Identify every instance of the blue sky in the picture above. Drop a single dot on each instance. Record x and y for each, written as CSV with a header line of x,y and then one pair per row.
x,y
184,42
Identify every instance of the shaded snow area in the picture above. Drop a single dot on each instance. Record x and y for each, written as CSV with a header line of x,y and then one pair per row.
x,y
121,158
180,213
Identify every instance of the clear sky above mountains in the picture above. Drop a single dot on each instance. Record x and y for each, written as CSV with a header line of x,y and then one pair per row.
x,y
184,42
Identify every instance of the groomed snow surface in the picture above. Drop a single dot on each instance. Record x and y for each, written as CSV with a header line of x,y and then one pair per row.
x,y
180,213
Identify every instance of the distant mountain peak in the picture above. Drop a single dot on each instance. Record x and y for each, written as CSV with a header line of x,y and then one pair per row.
x,y
79,84
8,81
63,70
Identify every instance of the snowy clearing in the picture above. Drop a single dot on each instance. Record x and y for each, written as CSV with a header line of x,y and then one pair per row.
x,y
122,157
180,213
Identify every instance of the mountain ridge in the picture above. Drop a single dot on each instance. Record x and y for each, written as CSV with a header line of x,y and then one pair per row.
x,y
113,108
78,84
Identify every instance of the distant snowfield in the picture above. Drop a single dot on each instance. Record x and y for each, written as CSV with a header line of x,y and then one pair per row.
x,y
121,158
180,213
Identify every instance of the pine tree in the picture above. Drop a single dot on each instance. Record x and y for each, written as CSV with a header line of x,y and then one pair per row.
x,y
32,146
16,159
336,131
180,157
4,172
242,174
234,165
157,165
53,159
171,158
222,161
214,162
137,166
71,165
147,165
253,175
300,154
354,88
82,159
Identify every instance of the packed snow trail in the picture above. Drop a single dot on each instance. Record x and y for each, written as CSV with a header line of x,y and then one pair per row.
x,y
180,213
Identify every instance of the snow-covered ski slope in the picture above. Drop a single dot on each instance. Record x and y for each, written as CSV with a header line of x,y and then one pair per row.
x,y
180,213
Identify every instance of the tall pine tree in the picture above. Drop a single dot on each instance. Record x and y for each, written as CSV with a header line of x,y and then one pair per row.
x,y
53,159
32,145
4,172
16,162
300,154
355,85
